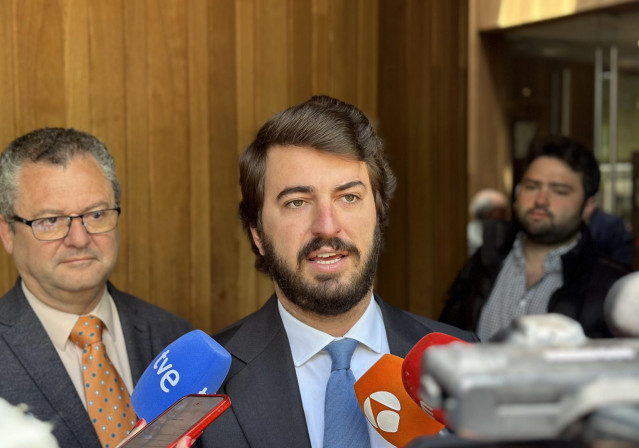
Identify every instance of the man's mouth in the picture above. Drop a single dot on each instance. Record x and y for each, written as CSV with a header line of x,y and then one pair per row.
x,y
538,213
327,258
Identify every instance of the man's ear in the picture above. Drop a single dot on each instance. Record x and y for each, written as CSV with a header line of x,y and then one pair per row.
x,y
6,234
257,240
589,207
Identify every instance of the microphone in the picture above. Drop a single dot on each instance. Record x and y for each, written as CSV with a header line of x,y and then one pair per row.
x,y
387,405
192,364
621,307
412,370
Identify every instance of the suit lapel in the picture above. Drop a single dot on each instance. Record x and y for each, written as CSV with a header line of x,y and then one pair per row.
x,y
137,334
33,348
402,333
265,383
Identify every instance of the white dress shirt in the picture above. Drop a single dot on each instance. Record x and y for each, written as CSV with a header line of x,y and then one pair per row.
x,y
59,325
313,364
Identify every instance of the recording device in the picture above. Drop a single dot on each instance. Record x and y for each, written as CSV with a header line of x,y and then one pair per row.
x,y
187,417
412,367
546,380
387,405
192,364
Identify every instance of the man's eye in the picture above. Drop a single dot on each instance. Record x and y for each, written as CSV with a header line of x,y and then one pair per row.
x,y
350,198
295,203
95,216
51,221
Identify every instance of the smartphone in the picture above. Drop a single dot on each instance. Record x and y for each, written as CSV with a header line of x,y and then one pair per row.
x,y
187,417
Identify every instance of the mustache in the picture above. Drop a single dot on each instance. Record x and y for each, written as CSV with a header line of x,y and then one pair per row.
x,y
537,209
76,253
334,243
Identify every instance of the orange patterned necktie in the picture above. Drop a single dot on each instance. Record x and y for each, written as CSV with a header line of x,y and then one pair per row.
x,y
108,401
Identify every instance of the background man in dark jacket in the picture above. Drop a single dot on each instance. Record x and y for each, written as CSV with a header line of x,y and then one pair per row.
x,y
547,262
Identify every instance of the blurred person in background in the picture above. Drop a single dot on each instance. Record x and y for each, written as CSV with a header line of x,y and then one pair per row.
x,y
547,262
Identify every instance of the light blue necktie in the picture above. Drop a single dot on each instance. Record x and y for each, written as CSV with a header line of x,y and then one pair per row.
x,y
344,422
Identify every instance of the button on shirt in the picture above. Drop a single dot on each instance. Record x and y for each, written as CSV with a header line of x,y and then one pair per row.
x,y
313,365
58,326
510,298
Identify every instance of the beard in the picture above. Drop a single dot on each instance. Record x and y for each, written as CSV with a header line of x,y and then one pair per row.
x,y
551,233
328,297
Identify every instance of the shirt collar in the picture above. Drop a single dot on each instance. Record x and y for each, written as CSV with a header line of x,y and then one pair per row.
x,y
59,324
306,341
552,260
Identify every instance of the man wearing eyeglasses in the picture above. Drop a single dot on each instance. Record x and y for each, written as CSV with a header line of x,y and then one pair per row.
x,y
59,207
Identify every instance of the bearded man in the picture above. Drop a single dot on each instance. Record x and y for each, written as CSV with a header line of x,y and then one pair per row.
x,y
547,263
316,189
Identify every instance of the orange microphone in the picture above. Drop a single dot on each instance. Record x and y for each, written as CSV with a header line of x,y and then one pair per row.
x,y
387,405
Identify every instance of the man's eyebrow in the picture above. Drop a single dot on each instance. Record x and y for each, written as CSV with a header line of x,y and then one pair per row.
x,y
559,184
552,184
348,185
296,189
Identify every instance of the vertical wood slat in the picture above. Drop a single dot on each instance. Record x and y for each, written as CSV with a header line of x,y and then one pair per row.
x,y
7,111
177,89
419,119
200,197
104,115
227,296
133,171
169,170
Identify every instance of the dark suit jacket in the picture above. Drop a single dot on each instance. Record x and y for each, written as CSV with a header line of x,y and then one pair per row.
x,y
266,407
31,371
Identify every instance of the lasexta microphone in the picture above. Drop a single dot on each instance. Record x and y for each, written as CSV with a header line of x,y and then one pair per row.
x,y
192,364
387,405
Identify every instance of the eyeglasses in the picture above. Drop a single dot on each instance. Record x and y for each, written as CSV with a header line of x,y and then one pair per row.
x,y
57,227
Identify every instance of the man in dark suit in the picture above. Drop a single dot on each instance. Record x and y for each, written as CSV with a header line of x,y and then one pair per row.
x,y
316,189
59,207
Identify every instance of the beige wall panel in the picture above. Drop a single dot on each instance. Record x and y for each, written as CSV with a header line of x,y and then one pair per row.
x,y
495,14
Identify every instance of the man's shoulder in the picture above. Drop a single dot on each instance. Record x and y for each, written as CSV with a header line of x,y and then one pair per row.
x,y
256,325
128,303
13,304
414,326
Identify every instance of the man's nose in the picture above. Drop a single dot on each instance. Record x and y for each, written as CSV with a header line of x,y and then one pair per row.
x,y
326,222
78,235
542,197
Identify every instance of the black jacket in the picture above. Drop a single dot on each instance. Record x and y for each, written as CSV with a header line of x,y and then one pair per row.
x,y
587,279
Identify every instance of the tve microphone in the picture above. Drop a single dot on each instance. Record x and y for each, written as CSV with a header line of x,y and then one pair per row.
x,y
192,364
621,307
412,369
388,407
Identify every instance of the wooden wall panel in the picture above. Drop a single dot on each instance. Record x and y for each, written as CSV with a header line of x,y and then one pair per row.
x,y
7,113
177,89
226,237
422,119
133,169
